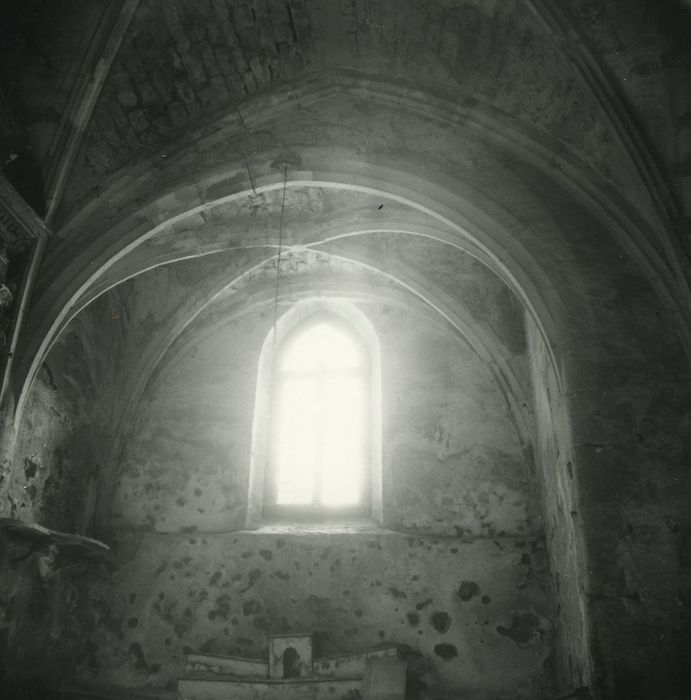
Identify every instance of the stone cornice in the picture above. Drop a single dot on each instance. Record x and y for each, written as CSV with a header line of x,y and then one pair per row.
x,y
20,225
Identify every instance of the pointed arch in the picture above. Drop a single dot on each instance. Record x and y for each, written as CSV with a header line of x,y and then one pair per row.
x,y
319,368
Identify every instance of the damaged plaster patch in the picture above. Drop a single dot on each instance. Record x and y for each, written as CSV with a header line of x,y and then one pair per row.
x,y
30,468
467,590
441,621
136,657
524,628
413,619
446,651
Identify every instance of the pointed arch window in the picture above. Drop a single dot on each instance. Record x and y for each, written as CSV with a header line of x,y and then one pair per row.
x,y
317,418
318,432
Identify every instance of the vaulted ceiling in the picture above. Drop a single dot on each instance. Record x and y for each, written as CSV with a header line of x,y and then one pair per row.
x,y
148,132
518,172
136,75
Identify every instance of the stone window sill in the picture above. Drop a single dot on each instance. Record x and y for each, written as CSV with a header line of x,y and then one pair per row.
x,y
362,526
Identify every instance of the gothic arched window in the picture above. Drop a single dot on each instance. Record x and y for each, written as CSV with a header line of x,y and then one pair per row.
x,y
316,444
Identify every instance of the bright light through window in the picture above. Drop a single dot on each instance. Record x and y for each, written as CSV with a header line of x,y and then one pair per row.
x,y
320,418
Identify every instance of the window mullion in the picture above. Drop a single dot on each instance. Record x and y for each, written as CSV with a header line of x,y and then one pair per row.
x,y
319,440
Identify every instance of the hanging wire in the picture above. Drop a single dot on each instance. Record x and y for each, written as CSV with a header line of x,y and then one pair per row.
x,y
280,246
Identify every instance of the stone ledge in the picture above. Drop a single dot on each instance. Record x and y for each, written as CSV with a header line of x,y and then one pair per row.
x,y
351,527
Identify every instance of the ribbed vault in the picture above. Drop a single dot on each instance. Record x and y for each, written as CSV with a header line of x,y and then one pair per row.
x,y
470,172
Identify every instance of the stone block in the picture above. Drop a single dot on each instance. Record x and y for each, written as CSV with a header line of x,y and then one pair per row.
x,y
209,61
195,71
177,114
219,90
127,97
384,679
138,120
226,665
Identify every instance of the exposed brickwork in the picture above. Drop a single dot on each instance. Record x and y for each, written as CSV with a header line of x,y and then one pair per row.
x,y
186,60
185,63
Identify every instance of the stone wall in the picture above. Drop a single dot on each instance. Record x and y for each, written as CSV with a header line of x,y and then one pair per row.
x,y
473,613
563,530
182,64
53,481
44,616
457,575
443,418
58,451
